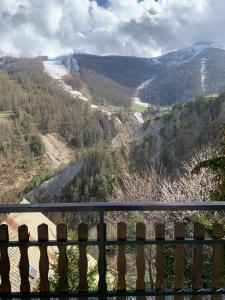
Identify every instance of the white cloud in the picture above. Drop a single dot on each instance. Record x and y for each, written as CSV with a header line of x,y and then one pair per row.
x,y
127,27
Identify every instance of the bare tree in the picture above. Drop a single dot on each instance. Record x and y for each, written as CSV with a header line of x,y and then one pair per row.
x,y
155,186
191,187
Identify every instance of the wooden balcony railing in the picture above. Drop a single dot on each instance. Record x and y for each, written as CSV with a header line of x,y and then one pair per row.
x,y
179,241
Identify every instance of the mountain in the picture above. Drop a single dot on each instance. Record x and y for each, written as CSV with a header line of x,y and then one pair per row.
x,y
50,116
185,74
177,76
185,55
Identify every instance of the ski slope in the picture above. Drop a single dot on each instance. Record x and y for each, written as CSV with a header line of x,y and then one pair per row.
x,y
57,71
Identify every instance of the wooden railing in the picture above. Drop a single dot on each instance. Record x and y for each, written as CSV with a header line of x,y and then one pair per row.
x,y
179,241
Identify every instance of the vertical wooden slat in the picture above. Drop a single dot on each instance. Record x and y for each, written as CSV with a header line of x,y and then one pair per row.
x,y
179,262
160,259
43,263
121,259
83,261
199,234
103,270
217,259
5,264
63,259
140,259
23,235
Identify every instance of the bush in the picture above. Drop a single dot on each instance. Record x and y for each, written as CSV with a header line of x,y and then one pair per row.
x,y
36,145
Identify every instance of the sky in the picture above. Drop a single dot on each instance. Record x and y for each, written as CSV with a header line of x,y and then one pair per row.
x,y
142,28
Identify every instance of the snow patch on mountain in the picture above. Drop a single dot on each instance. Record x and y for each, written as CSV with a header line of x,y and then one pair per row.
x,y
57,70
204,75
145,84
74,65
137,101
184,55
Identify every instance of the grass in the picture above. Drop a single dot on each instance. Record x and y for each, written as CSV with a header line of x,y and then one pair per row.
x,y
212,95
6,114
139,108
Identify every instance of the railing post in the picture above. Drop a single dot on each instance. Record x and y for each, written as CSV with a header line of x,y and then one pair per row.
x,y
121,258
102,286
179,259
23,235
5,286
140,259
63,285
198,260
160,260
43,261
217,259
83,260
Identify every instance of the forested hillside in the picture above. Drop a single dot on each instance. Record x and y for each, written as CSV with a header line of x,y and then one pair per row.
x,y
40,106
181,75
105,91
182,82
162,144
31,103
127,71
170,140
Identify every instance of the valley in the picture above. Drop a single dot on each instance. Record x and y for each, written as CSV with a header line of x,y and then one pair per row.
x,y
59,72
86,120
112,149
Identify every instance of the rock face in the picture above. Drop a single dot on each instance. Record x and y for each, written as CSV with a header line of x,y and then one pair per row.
x,y
51,189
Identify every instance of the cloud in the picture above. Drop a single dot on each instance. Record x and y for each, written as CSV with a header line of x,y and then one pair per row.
x,y
125,27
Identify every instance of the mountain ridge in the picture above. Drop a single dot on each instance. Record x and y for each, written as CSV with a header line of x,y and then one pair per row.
x,y
163,88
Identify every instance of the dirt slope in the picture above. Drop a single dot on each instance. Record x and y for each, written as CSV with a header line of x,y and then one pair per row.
x,y
57,151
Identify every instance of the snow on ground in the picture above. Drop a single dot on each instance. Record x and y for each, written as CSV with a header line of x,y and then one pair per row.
x,y
139,117
203,74
145,84
55,69
138,101
75,65
184,55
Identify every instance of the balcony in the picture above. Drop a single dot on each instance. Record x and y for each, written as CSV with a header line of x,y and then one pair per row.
x,y
199,240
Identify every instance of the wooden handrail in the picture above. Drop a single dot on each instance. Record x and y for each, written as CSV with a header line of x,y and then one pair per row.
x,y
114,206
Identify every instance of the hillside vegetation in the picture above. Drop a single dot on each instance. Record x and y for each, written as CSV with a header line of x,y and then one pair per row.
x,y
106,91
40,106
162,144
31,105
176,76
125,70
175,137
183,82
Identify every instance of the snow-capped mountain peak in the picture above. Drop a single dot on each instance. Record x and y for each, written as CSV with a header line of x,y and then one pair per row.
x,y
184,55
